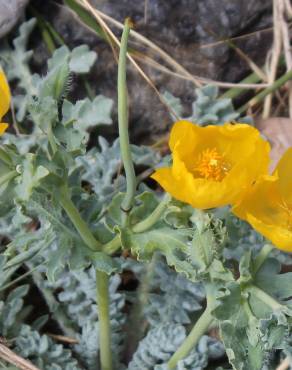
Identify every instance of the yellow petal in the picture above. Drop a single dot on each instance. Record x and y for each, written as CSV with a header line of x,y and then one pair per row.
x,y
3,128
284,173
5,95
242,148
263,207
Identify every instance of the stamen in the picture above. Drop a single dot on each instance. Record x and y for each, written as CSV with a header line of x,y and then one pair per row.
x,y
211,165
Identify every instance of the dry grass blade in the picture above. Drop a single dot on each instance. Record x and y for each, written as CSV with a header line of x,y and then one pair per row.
x,y
106,29
166,57
287,53
146,11
63,339
12,358
275,53
181,72
282,10
235,38
252,65
288,8
152,63
285,365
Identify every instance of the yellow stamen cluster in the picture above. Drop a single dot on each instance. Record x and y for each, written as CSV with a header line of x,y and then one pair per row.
x,y
211,165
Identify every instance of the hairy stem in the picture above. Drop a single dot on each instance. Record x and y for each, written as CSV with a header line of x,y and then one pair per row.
x,y
124,122
102,284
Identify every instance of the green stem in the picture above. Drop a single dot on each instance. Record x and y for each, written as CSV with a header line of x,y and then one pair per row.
x,y
52,141
4,157
199,329
235,91
264,297
21,277
248,311
102,283
7,177
153,217
259,97
250,79
262,256
77,220
192,339
124,122
112,246
102,279
144,225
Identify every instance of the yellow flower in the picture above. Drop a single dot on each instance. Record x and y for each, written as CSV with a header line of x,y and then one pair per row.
x,y
267,205
5,98
213,165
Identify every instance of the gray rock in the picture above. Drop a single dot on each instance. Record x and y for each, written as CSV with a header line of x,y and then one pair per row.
x,y
181,28
10,12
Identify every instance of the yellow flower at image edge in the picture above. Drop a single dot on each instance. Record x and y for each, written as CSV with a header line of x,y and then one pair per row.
x,y
5,98
213,165
267,206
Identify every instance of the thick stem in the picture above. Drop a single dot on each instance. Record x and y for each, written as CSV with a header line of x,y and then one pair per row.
x,y
153,217
77,220
124,122
102,283
262,256
192,339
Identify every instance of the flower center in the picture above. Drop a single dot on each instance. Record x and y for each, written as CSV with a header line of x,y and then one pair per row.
x,y
212,165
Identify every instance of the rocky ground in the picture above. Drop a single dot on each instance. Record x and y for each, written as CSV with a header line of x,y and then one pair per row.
x,y
183,28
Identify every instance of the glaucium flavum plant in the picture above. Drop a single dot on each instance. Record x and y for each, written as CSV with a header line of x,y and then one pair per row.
x,y
178,240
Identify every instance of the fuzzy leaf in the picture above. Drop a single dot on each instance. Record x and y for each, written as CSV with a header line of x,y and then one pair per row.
x,y
44,113
31,175
171,243
272,281
85,113
105,263
145,203
82,59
